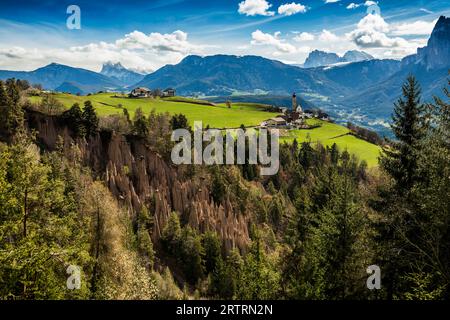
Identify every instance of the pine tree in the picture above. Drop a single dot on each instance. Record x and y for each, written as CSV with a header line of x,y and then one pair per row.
x,y
179,121
13,91
4,98
191,255
90,118
259,279
13,115
425,237
409,127
218,187
74,119
171,234
213,251
400,161
334,154
140,124
338,246
145,244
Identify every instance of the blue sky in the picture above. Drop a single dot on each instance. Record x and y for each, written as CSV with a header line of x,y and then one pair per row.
x,y
146,35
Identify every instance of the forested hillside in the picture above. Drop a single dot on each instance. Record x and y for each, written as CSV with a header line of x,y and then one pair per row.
x,y
101,193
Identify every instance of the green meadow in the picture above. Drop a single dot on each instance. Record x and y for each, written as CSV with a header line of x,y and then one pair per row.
x,y
329,133
220,116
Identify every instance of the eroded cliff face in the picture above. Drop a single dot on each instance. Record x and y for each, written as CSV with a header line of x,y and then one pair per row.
x,y
137,175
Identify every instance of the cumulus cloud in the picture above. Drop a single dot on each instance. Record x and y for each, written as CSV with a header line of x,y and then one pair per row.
x,y
328,36
370,3
353,6
174,42
13,53
291,8
371,32
357,5
255,7
331,1
261,38
304,36
135,50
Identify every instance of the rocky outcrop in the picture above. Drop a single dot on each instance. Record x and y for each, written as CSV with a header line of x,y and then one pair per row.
x,y
436,54
137,175
319,58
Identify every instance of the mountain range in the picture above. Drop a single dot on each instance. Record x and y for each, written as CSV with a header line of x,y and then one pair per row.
x,y
64,78
319,58
355,87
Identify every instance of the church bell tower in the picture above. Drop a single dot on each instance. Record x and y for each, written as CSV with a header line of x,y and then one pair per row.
x,y
294,102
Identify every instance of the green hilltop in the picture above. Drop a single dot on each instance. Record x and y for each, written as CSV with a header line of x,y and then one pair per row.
x,y
222,117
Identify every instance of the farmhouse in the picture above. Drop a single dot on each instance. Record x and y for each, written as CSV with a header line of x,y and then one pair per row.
x,y
141,92
276,122
169,92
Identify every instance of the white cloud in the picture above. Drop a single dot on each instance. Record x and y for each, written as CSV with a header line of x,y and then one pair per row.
x,y
173,42
304,36
328,36
371,32
255,7
261,38
353,6
370,3
331,1
135,50
357,5
426,10
414,28
291,8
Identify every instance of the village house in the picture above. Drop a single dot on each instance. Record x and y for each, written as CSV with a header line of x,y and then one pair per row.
x,y
275,122
169,92
141,92
295,117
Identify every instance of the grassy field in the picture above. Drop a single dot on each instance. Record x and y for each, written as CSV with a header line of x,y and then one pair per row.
x,y
219,116
330,133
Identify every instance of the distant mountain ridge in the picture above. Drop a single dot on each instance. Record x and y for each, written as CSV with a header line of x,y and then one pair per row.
x,y
55,76
222,75
123,75
319,58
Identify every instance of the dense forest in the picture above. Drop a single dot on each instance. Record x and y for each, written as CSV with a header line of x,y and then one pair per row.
x,y
309,232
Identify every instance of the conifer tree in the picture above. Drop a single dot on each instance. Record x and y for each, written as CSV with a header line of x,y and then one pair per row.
x,y
4,98
90,118
213,251
140,124
409,127
74,119
12,115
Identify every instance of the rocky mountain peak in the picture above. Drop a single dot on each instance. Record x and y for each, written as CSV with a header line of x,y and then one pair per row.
x,y
117,71
436,54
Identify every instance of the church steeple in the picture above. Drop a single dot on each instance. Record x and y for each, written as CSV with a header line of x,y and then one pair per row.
x,y
294,102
